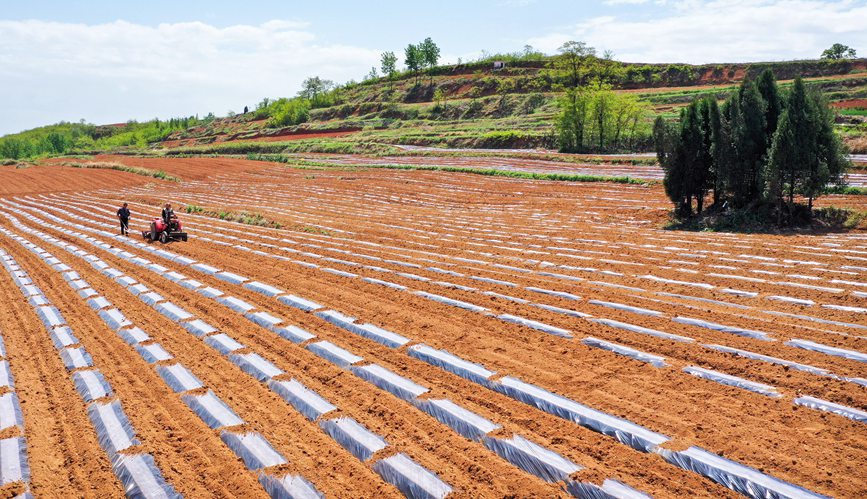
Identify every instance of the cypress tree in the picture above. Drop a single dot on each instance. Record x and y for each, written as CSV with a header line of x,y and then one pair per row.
x,y
767,86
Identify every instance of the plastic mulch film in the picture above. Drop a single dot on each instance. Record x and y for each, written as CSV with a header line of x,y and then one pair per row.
x,y
254,365
829,350
289,487
738,477
463,421
306,401
113,430
352,436
632,353
643,330
13,461
610,489
769,359
141,478
179,378
539,326
212,410
627,432
729,380
333,353
387,380
10,411
533,458
253,449
452,363
410,478
91,385
748,333
839,409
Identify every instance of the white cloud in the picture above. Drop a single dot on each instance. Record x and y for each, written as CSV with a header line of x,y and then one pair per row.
x,y
110,72
698,31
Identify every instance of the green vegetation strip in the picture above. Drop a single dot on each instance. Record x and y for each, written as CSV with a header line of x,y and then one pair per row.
x,y
563,177
244,217
123,168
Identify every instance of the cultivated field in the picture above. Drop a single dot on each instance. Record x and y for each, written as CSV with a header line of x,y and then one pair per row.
x,y
378,333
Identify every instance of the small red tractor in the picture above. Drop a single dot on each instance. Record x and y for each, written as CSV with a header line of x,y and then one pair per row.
x,y
165,232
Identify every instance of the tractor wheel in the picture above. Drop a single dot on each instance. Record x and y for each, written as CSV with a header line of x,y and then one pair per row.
x,y
164,237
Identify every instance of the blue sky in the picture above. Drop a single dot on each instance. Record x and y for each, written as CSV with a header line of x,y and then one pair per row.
x,y
107,61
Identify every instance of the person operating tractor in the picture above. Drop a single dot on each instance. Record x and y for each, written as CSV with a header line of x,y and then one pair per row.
x,y
169,217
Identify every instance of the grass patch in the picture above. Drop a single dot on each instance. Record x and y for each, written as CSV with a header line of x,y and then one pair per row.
x,y
160,174
243,217
191,208
847,190
762,219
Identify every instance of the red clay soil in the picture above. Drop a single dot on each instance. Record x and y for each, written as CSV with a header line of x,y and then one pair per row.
x,y
850,104
497,229
40,179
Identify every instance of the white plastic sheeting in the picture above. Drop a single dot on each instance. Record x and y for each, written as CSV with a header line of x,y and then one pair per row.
x,y
632,353
532,458
627,432
735,381
114,318
839,409
749,333
289,487
212,410
13,461
610,489
352,436
738,477
383,378
6,378
199,327
626,308
264,319
179,378
113,429
253,449
262,288
452,363
294,334
539,326
223,343
141,478
173,312
304,400
410,478
772,360
382,336
837,352
298,302
254,365
133,335
333,353
62,337
75,358
463,421
236,304
153,353
10,411
450,301
91,385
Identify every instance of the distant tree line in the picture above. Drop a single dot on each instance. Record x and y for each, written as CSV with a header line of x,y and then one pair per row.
x,y
758,147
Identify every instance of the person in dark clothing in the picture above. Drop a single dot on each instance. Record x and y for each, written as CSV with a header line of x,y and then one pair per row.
x,y
123,216
169,217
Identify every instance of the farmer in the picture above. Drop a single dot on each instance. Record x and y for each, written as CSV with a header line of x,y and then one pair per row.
x,y
123,216
169,216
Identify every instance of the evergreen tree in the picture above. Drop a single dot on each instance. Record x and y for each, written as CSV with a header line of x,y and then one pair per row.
x,y
749,144
767,86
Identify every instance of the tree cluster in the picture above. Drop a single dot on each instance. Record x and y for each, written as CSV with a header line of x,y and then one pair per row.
x,y
758,147
421,56
592,115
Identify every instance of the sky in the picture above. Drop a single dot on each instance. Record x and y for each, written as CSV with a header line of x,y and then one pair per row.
x,y
109,61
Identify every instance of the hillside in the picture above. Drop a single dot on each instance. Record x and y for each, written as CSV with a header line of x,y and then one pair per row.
x,y
459,106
